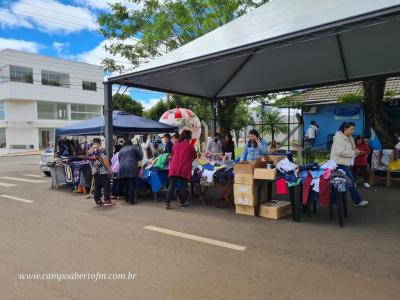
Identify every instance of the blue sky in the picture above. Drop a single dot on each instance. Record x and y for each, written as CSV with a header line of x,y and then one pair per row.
x,y
60,28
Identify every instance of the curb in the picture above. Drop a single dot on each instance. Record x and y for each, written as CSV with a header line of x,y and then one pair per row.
x,y
22,154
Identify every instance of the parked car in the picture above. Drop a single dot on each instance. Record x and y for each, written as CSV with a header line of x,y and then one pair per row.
x,y
47,155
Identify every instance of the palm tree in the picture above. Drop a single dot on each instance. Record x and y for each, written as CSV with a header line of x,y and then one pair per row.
x,y
273,123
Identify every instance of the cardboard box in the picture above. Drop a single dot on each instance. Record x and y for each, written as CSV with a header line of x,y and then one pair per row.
x,y
244,172
275,209
245,210
246,194
260,172
269,174
244,179
244,167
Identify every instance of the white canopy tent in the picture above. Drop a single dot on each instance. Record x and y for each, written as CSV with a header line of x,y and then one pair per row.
x,y
283,45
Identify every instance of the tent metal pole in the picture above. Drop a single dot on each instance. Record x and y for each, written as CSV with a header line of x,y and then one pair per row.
x,y
108,117
342,58
300,143
213,117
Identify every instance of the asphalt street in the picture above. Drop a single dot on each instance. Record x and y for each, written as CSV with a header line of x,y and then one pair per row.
x,y
193,253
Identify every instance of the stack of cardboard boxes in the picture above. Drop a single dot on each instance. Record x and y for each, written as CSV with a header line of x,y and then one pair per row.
x,y
245,193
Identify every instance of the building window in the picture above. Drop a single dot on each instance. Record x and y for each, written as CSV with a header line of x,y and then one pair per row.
x,y
21,74
84,111
52,111
2,138
55,79
89,86
2,111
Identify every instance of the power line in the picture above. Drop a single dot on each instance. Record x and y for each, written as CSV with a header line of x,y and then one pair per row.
x,y
52,10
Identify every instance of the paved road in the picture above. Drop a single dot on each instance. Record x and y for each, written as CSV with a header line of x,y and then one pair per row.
x,y
62,232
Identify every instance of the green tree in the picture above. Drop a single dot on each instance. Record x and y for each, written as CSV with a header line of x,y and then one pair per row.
x,y
372,99
126,103
157,110
241,119
373,105
161,26
273,123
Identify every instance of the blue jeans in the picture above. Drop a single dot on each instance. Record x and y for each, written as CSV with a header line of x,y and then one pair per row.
x,y
311,142
355,196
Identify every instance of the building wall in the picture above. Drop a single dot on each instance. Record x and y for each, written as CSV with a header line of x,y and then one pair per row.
x,y
21,116
325,117
78,72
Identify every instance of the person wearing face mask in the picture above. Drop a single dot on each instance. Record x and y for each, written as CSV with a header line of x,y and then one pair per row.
x,y
215,145
256,147
342,153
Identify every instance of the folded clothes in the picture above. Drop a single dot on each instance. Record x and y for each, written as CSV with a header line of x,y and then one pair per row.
x,y
286,166
330,164
208,167
310,166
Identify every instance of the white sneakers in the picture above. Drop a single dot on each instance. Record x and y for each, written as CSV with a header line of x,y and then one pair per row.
x,y
362,203
366,185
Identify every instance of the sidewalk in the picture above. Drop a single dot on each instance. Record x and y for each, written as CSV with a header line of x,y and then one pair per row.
x,y
28,153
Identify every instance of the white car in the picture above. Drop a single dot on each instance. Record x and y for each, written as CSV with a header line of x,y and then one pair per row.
x,y
47,155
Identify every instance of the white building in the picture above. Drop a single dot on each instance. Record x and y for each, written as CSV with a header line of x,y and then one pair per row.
x,y
39,94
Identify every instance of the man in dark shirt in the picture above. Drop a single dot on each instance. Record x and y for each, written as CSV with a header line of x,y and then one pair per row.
x,y
168,143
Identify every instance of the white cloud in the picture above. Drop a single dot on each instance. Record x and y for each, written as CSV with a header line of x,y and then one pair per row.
x,y
60,47
49,16
150,103
99,4
105,4
21,45
99,53
9,19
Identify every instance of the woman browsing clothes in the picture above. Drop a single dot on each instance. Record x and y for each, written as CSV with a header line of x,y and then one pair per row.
x,y
101,171
343,152
180,168
129,157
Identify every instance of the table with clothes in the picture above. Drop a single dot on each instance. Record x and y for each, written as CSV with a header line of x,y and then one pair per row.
x,y
206,175
308,184
154,173
213,176
70,171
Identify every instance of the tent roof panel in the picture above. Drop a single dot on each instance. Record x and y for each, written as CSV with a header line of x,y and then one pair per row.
x,y
122,123
272,20
294,44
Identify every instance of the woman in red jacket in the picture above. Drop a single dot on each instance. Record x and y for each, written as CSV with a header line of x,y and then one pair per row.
x,y
361,160
180,167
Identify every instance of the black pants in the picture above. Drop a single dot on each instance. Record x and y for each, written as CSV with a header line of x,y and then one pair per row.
x,y
360,169
116,188
102,183
129,189
183,194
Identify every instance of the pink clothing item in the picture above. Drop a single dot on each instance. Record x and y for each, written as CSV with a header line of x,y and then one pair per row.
x,y
281,187
327,174
324,191
115,163
307,187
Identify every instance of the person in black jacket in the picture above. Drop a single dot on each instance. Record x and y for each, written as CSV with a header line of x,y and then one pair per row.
x,y
229,146
129,156
168,143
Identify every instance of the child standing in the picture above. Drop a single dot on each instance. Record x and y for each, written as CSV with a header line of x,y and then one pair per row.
x,y
361,160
